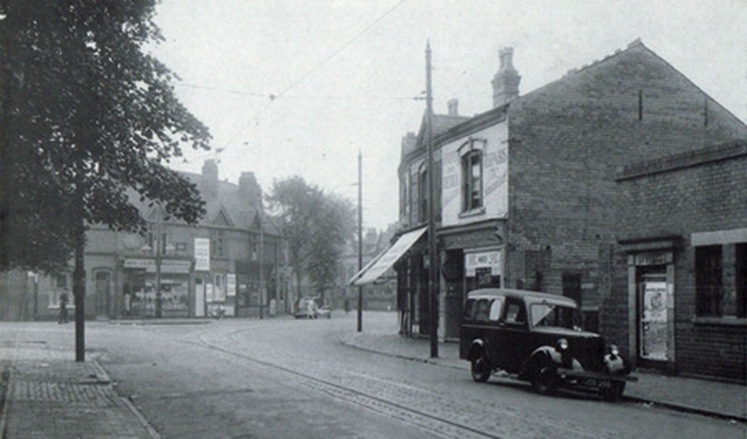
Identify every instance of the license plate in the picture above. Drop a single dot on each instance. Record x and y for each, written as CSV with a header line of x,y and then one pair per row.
x,y
605,384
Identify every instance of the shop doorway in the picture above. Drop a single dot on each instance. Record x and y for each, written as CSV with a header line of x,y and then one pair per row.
x,y
103,291
651,316
199,297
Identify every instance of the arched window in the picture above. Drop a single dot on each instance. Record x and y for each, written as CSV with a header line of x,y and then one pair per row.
x,y
472,185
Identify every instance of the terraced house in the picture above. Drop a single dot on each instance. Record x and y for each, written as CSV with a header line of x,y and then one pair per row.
x,y
560,190
233,259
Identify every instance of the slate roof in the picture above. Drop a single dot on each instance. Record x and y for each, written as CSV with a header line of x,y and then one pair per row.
x,y
225,206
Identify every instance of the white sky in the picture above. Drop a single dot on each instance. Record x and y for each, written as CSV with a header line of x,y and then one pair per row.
x,y
344,72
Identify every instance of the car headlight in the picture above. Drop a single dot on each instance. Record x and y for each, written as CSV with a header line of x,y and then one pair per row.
x,y
562,344
614,351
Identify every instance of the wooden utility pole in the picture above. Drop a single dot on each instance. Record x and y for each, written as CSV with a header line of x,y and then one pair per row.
x,y
261,258
360,238
432,260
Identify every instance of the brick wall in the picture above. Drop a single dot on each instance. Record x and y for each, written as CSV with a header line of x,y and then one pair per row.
x,y
570,138
687,193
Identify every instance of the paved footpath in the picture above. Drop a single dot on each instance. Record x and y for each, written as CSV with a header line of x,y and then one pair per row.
x,y
711,398
50,396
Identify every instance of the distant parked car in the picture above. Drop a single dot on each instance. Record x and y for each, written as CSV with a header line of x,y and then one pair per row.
x,y
533,337
310,308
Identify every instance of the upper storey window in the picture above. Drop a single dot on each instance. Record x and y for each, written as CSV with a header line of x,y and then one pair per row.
x,y
472,185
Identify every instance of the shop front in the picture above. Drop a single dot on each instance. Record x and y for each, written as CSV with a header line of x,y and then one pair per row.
x,y
472,258
141,277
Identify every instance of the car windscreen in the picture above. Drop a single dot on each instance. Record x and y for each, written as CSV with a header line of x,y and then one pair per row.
x,y
547,314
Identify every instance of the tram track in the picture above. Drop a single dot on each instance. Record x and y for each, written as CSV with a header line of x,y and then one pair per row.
x,y
485,420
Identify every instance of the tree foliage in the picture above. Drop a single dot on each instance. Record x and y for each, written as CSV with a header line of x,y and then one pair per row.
x,y
316,226
86,117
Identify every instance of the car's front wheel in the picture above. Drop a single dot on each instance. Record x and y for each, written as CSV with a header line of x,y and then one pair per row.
x,y
545,381
612,393
480,368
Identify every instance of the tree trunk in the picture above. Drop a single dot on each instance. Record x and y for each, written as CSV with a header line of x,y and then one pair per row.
x,y
79,292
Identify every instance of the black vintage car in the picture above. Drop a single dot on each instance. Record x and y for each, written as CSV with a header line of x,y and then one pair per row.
x,y
534,337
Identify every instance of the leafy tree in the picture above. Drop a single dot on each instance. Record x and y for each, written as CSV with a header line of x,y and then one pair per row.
x,y
86,116
316,227
334,227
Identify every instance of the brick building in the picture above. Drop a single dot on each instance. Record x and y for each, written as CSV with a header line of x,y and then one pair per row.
x,y
215,263
527,192
679,294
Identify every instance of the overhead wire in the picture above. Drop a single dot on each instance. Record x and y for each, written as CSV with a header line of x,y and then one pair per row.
x,y
307,74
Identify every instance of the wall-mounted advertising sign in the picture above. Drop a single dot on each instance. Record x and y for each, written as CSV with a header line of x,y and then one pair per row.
x,y
202,254
490,260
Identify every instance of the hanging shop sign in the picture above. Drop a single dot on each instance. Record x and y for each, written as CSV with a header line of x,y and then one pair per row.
x,y
488,262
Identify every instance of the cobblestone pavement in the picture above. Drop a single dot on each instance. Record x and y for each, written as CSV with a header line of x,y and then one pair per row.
x,y
49,395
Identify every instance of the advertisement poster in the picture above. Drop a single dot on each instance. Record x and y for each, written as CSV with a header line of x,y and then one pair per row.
x,y
490,260
230,285
654,332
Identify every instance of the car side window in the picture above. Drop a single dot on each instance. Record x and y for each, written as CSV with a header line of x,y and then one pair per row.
x,y
495,310
469,310
515,312
483,310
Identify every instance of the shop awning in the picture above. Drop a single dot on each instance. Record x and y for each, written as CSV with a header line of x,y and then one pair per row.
x,y
381,263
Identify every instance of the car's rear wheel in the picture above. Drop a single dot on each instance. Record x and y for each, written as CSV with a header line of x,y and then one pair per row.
x,y
545,381
612,393
480,368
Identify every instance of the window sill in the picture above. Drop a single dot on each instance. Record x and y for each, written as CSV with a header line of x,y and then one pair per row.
x,y
473,212
719,321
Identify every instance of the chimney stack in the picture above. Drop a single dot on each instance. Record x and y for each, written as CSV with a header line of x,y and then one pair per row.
x,y
210,175
250,189
453,105
506,81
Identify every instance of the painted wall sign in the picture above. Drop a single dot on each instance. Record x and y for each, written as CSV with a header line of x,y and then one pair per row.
x,y
495,176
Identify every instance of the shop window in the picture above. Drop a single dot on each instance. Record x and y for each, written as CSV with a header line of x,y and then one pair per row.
x,y
708,280
472,181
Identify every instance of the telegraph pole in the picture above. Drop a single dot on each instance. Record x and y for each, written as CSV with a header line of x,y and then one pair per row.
x,y
261,257
360,239
432,261
158,265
